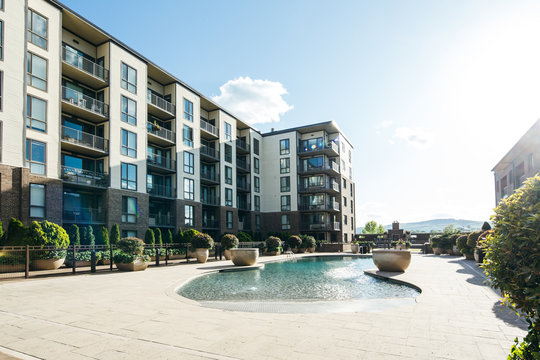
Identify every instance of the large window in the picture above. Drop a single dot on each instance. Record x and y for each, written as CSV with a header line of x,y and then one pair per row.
x,y
189,189
228,197
35,156
1,40
129,176
189,163
229,221
36,113
285,165
129,143
188,136
285,222
188,110
37,201
129,209
311,144
188,215
129,78
36,72
228,131
256,146
228,153
228,175
129,110
37,29
129,233
1,90
257,202
257,184
257,222
285,202
256,166
284,147
285,183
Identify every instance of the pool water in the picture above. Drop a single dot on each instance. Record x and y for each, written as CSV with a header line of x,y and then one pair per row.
x,y
309,279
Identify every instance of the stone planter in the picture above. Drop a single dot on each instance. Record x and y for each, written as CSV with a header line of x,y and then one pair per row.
x,y
201,255
300,250
469,256
244,256
47,264
227,254
9,268
106,261
137,265
78,263
437,250
479,255
272,253
392,260
355,248
312,249
176,256
455,251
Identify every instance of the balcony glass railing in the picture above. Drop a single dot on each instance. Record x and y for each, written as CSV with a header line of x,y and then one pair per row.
x,y
328,166
242,164
243,185
85,139
206,126
210,224
208,200
242,144
84,177
331,226
332,205
161,190
208,151
85,102
160,220
160,102
328,146
209,176
74,59
83,216
315,187
161,161
160,131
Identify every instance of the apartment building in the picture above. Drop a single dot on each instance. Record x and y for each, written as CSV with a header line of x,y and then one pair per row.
x,y
520,163
93,133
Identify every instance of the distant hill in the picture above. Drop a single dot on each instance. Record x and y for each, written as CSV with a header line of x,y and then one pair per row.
x,y
436,225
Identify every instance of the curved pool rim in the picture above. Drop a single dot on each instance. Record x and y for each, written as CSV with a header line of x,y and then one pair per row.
x,y
300,307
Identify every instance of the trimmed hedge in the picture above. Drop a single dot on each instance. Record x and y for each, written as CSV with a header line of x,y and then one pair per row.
x,y
229,241
202,241
294,241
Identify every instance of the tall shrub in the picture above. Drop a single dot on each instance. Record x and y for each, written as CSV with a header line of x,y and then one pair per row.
x,y
1,233
157,236
168,237
104,236
16,233
188,235
179,237
115,234
74,236
149,238
84,235
47,234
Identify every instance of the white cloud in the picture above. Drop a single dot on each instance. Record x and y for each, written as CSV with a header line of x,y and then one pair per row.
x,y
419,138
254,101
386,124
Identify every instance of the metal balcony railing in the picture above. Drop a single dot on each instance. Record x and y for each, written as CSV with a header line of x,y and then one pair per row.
x,y
74,59
161,161
160,131
208,151
83,216
210,200
209,176
327,186
243,185
242,164
331,226
160,220
210,224
161,190
243,205
332,205
84,102
85,139
160,102
242,144
206,126
328,146
84,177
327,166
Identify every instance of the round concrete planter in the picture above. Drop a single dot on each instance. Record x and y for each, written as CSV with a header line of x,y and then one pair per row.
x,y
392,260
311,249
78,263
479,256
227,254
137,265
272,253
201,255
300,250
47,264
244,256
437,250
355,248
469,256
9,268
455,251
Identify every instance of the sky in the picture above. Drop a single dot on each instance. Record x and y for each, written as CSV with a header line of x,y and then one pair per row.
x,y
432,94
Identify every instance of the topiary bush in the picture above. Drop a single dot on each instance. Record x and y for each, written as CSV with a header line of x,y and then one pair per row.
x,y
74,235
16,233
188,235
229,241
179,237
273,243
486,226
244,237
473,238
168,237
308,241
435,241
131,245
104,237
202,241
149,238
462,245
294,241
47,233
115,234
2,233
157,236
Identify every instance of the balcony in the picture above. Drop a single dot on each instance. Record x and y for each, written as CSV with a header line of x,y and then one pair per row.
x,y
330,206
209,131
211,178
83,70
160,107
244,225
330,149
331,226
243,186
242,165
209,154
84,177
210,224
165,220
83,106
160,163
210,201
331,187
83,142
162,191
242,146
90,216
159,135
329,167
243,206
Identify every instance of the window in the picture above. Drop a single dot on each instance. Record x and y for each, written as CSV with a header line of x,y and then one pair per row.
x,y
284,147
285,182
228,175
257,184
345,219
37,29
37,201
189,163
129,209
256,165
351,187
345,237
36,113
36,72
285,222
129,233
189,189
129,176
344,183
352,207
228,197
1,39
229,219
188,215
284,166
129,143
256,146
344,201
352,223
228,153
228,131
188,136
350,156
257,203
129,111
188,110
1,90
129,78
285,202
35,156
257,222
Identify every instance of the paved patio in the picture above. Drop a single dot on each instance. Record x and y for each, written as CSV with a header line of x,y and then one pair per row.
x,y
138,316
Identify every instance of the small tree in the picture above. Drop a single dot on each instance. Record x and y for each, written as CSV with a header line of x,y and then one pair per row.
x,y
84,235
149,238
115,234
372,227
486,226
105,237
179,238
188,235
168,237
74,236
157,236
91,238
229,241
16,233
244,237
202,241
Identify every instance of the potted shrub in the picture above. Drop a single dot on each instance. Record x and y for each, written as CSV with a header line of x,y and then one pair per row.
x,y
472,239
273,246
228,242
453,241
202,243
294,242
355,247
47,234
435,245
244,237
187,238
309,243
463,247
129,255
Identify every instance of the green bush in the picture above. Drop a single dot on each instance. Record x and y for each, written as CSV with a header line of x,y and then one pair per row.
x,y
308,241
273,243
168,237
473,238
104,237
16,234
529,348
87,236
486,226
115,234
121,257
149,238
435,241
445,241
202,241
244,237
294,241
229,241
462,245
74,236
46,233
179,238
131,245
2,233
188,235
157,236
453,239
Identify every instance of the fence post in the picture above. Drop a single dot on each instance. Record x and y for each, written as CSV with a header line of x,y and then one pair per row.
x,y
156,249
220,252
110,257
166,254
187,251
93,261
74,261
27,262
